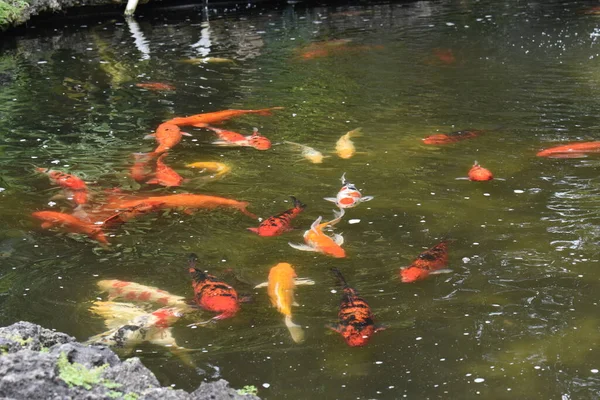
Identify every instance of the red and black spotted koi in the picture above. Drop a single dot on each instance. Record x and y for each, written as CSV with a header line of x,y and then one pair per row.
x,y
429,262
212,294
355,316
280,223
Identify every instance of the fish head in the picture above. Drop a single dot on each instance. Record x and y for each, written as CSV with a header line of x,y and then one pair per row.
x,y
413,274
227,305
357,337
168,129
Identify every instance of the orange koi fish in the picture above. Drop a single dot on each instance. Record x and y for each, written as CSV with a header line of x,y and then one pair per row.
x,y
230,138
445,55
318,241
156,86
69,182
452,137
280,223
71,224
480,174
125,215
187,201
212,294
429,262
132,291
348,196
571,150
344,146
165,175
139,169
167,135
280,287
355,316
218,116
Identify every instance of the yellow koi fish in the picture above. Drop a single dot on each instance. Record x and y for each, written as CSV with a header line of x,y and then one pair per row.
x,y
218,168
312,155
318,241
344,147
280,287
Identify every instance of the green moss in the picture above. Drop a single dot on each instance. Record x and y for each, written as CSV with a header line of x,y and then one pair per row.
x,y
114,395
10,11
131,396
248,389
78,375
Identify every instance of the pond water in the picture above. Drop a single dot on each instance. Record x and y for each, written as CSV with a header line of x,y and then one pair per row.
x,y
518,315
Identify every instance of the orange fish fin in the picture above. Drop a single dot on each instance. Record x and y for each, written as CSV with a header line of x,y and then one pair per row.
x,y
255,230
153,181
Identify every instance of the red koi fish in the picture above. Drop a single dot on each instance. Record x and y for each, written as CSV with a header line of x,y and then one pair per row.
x,y
230,138
167,135
218,116
212,294
139,169
445,55
430,262
452,137
69,182
280,223
571,150
71,224
165,175
156,86
480,174
355,316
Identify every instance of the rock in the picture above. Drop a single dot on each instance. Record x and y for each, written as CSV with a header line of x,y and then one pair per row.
x,y
37,363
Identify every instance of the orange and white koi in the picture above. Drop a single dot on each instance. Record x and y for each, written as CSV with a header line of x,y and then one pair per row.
x,y
319,242
480,174
312,155
167,135
344,147
356,324
71,223
280,287
165,175
429,262
571,150
69,182
218,168
280,223
132,291
348,196
230,138
218,116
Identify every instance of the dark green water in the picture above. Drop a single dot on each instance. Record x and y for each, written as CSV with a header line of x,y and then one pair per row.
x,y
517,318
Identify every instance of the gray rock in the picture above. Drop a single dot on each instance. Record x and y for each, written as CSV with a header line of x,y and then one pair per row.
x,y
29,370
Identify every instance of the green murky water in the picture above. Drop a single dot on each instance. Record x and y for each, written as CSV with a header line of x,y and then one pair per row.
x,y
517,318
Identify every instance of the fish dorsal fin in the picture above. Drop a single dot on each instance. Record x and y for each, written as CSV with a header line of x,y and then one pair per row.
x,y
302,247
315,225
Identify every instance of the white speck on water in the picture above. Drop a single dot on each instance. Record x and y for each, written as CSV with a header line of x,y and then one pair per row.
x,y
55,162
333,291
418,338
42,62
2,189
475,244
594,371
266,385
537,367
354,221
467,197
378,362
518,191
487,194
450,23
293,115
478,380
466,334
223,260
466,260
433,193
468,374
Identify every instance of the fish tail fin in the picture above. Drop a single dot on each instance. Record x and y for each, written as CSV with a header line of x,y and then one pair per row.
x,y
197,275
475,163
297,203
338,214
294,143
242,207
296,331
268,111
192,260
39,169
336,272
355,132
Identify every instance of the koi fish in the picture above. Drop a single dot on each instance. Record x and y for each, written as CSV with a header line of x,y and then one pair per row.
x,y
445,55
125,215
211,294
230,138
69,182
280,287
165,175
187,201
355,316
71,224
318,241
218,168
571,150
478,173
218,116
208,60
344,146
452,137
167,135
312,155
156,86
280,223
348,196
429,262
132,291
138,170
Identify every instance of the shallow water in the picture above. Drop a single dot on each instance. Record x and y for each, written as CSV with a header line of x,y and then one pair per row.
x,y
517,317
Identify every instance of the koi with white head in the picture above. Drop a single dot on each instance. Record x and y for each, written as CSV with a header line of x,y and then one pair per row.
x,y
348,196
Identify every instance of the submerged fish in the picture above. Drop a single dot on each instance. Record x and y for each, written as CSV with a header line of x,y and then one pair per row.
x,y
280,223
218,116
348,196
312,155
132,291
69,182
71,224
139,169
571,150
480,174
445,55
318,241
125,215
280,287
230,138
167,135
156,86
208,60
452,137
344,146
356,323
165,175
218,168
429,262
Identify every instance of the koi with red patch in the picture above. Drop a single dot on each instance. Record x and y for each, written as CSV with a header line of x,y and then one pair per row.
x,y
356,323
429,262
571,150
165,175
480,174
132,291
69,182
218,116
230,138
452,137
212,294
280,223
71,224
167,135
156,86
348,196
